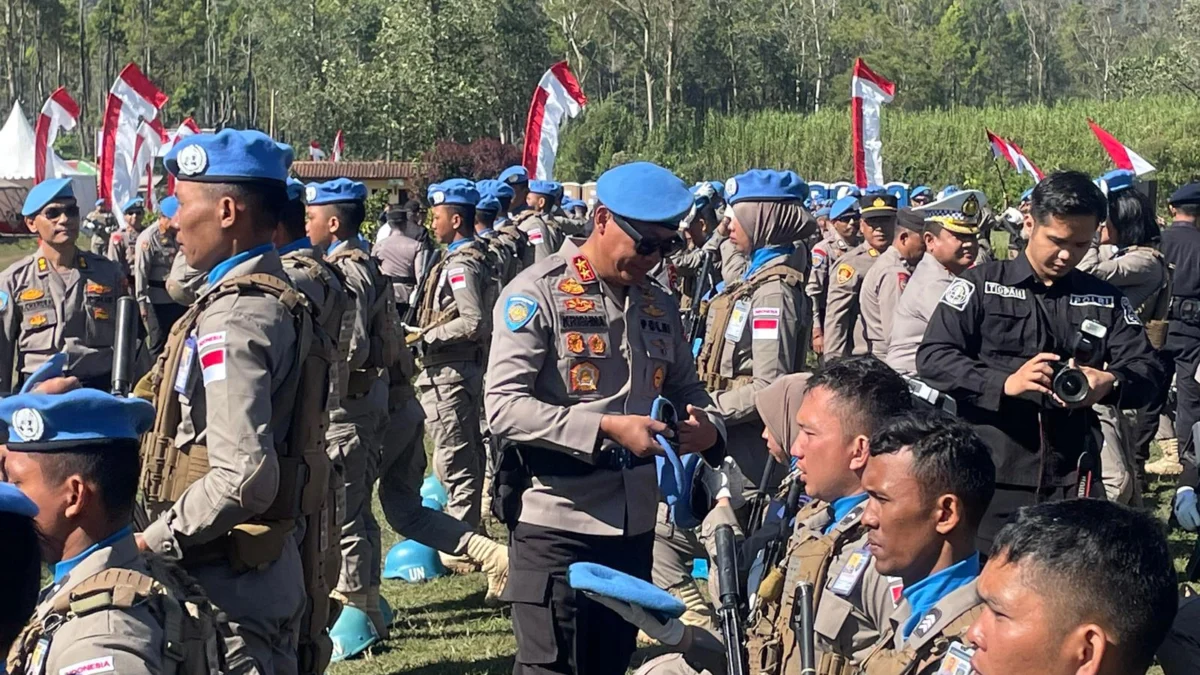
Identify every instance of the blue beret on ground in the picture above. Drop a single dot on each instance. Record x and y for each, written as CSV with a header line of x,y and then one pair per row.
x,y
64,422
230,156
459,191
601,580
295,189
169,206
12,500
45,192
336,191
766,185
645,192
846,206
514,175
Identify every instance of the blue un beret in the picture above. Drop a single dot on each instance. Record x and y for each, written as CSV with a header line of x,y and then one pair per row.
x,y
544,187
1116,180
1187,194
12,500
498,189
134,203
336,191
514,175
45,192
169,206
823,211
846,206
920,190
569,204
64,422
766,185
601,580
230,156
645,192
458,191
295,189
488,203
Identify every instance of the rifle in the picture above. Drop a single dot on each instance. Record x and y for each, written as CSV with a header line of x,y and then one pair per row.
x,y
802,627
730,611
761,498
124,350
770,588
418,298
693,320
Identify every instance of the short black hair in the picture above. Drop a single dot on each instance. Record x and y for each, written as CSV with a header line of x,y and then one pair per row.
x,y
114,467
948,458
870,391
1098,561
1192,210
1132,215
464,211
485,216
292,217
1067,193
350,216
264,201
21,569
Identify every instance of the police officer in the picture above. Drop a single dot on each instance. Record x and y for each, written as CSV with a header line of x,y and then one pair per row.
x,y
755,326
1002,329
883,284
100,223
403,257
1181,249
454,325
542,234
951,230
153,259
844,332
234,398
843,235
517,178
580,357
501,251
336,210
76,455
184,282
930,478
920,196
122,244
58,298
506,231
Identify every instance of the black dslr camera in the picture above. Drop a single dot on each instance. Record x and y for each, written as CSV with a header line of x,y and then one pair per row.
x,y
1069,382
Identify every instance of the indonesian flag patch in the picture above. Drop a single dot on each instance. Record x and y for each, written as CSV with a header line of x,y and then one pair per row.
x,y
211,348
457,278
535,236
765,323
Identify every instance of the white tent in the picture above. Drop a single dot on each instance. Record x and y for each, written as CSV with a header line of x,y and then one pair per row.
x,y
16,173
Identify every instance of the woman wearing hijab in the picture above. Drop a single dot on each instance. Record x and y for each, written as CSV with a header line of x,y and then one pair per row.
x,y
756,325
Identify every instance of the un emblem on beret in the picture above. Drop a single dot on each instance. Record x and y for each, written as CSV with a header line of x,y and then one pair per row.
x,y
437,197
310,193
28,424
192,160
731,187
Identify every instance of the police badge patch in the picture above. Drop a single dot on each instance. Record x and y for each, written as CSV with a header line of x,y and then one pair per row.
x,y
958,294
518,311
844,273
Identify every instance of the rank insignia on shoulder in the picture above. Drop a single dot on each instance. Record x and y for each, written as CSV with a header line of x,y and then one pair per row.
x,y
42,265
654,311
579,305
873,253
844,273
575,343
81,262
958,294
660,374
586,274
585,377
518,311
30,294
570,286
597,344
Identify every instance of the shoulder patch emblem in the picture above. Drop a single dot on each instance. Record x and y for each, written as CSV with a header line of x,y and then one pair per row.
x,y
3,301
958,294
844,273
902,280
1131,317
104,664
518,311
536,237
570,286
818,258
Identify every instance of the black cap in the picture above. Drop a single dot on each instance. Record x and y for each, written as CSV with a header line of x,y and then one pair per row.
x,y
1188,194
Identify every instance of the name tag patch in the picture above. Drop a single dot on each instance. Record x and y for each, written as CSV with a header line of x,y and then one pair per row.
x,y
211,348
575,321
104,664
1105,301
993,288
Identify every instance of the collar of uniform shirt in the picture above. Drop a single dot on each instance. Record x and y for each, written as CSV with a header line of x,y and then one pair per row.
x,y
302,242
843,506
926,593
455,245
486,232
764,255
63,568
222,269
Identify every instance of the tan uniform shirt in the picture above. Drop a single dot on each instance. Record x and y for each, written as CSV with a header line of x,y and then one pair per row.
x,y
403,260
248,343
120,641
568,350
1139,271
844,334
825,255
184,283
153,258
931,627
541,233
877,299
122,246
460,282
43,312
326,302
929,280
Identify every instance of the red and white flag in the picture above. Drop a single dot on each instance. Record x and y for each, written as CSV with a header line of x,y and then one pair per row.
x,y
868,92
150,139
188,127
60,112
315,153
133,98
1121,155
558,97
339,147
1014,155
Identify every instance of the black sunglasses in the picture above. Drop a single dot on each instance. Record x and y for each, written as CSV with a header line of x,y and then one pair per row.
x,y
645,246
55,212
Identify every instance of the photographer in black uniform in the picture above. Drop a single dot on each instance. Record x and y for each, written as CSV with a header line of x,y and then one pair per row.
x,y
1027,346
1181,249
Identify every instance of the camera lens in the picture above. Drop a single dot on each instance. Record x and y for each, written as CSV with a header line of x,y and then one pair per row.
x,y
1071,385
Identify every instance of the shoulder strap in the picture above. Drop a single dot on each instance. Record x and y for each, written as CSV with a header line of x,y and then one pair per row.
x,y
884,661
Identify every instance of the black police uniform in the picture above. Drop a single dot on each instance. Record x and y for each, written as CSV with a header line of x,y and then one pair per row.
x,y
992,320
1181,249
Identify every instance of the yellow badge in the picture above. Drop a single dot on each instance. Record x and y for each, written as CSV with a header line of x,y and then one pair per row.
x,y
517,313
597,344
37,320
43,265
880,203
873,253
31,294
575,343
570,286
579,305
660,374
585,377
843,273
653,310
94,288
970,207
81,262
100,313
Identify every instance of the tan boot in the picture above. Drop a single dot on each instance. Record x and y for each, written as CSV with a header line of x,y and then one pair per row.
x,y
493,560
1169,464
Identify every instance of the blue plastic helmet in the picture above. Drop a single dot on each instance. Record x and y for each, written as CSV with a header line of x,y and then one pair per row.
x,y
352,634
413,562
386,610
431,503
433,489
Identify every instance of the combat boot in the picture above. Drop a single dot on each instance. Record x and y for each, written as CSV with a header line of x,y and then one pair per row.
x,y
493,559
1168,464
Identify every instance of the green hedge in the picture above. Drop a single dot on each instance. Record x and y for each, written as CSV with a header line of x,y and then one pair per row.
x,y
934,147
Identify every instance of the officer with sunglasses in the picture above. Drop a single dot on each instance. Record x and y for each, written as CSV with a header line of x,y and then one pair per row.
x,y
59,298
583,345
844,334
